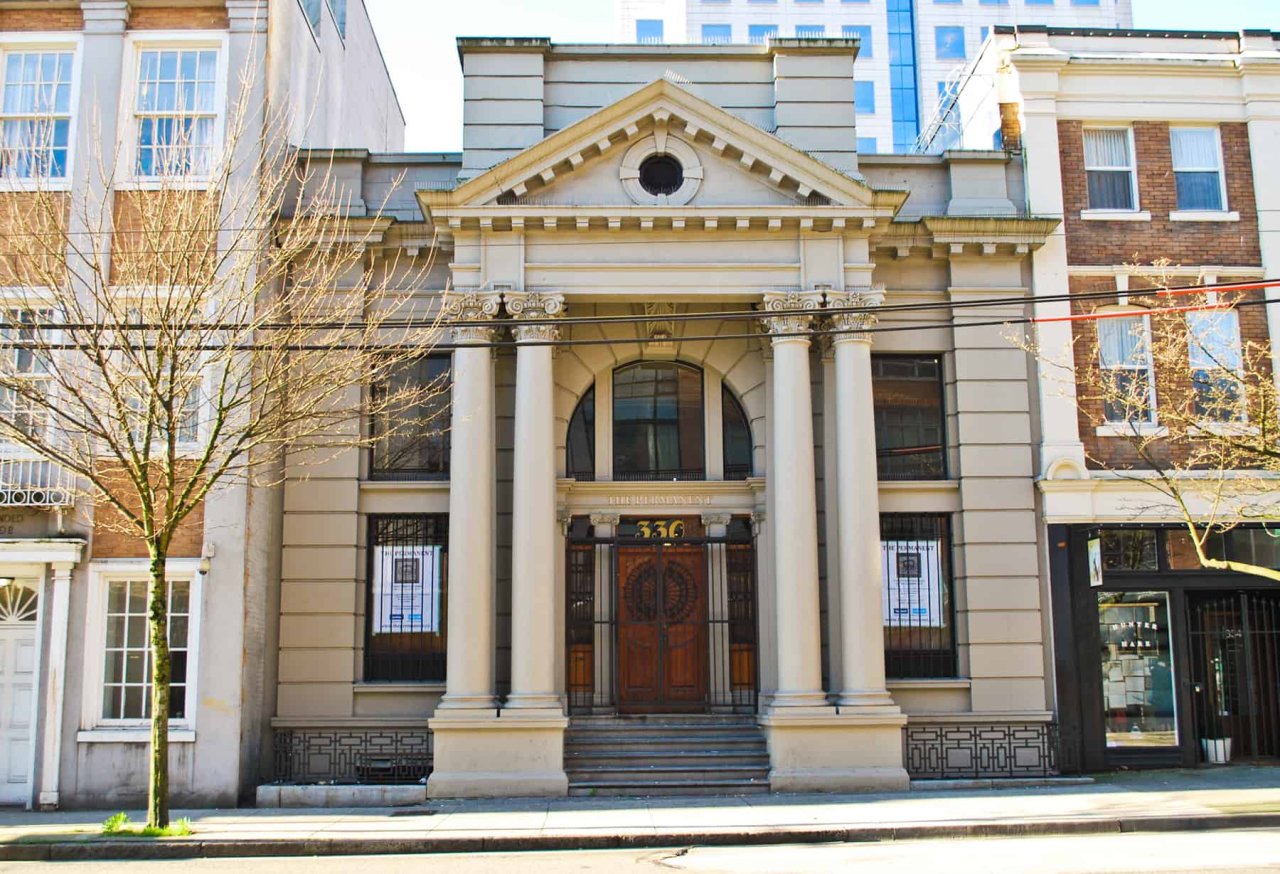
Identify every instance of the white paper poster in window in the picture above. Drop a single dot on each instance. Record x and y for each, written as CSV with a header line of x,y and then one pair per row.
x,y
913,584
406,589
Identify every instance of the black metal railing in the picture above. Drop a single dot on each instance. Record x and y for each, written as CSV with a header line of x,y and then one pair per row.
x,y
673,474
407,603
919,607
959,751
373,755
661,625
736,472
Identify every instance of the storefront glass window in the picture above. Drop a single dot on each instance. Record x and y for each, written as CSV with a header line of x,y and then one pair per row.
x,y
1129,549
1255,546
1180,550
1137,669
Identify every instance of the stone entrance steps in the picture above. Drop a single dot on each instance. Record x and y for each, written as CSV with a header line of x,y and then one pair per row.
x,y
666,755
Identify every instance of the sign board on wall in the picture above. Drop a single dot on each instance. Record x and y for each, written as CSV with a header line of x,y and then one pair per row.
x,y
406,589
1095,562
913,584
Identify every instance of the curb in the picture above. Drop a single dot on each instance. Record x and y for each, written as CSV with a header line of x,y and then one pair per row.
x,y
137,849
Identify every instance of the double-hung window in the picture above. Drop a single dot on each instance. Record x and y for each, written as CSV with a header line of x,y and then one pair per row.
x,y
36,122
1197,168
153,386
1128,384
176,111
1109,169
1216,359
26,369
759,34
413,444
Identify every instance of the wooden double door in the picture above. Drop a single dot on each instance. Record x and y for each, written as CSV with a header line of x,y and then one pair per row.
x,y
661,626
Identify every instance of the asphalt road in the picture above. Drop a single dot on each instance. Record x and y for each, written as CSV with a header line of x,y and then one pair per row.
x,y
1257,850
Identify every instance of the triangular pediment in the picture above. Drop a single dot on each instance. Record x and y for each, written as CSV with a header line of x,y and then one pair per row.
x,y
589,162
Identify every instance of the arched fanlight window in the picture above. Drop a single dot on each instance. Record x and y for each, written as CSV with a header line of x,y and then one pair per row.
x,y
581,461
658,422
737,437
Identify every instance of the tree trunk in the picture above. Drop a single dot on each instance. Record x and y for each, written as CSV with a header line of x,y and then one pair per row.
x,y
158,620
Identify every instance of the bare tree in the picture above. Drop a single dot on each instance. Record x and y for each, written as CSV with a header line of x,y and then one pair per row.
x,y
1181,378
168,338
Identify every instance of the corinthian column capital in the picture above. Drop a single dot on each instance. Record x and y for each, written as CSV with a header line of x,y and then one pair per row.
x,y
790,312
462,307
855,312
534,306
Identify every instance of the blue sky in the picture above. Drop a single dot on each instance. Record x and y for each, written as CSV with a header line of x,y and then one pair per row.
x,y
417,39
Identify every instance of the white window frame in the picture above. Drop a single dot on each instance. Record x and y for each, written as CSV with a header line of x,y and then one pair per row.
x,y
1238,342
1152,426
9,449
184,447
135,44
1132,169
93,727
1179,214
48,42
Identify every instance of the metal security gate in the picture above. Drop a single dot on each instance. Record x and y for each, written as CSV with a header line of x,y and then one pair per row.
x,y
1235,674
661,625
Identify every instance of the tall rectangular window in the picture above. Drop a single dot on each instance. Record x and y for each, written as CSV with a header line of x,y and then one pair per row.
x,y
907,391
36,122
176,111
862,33
1109,168
1197,168
126,677
1128,383
716,34
1217,364
948,43
864,96
31,369
406,613
904,94
917,596
649,31
413,444
759,34
1136,663
810,31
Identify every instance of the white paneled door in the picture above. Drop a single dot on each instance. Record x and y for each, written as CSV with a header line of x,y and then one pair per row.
x,y
17,690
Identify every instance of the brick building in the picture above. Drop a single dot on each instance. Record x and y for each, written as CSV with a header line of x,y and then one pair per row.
x,y
1156,151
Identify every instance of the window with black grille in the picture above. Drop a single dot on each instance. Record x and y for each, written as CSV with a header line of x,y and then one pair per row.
x,y
910,437
406,611
919,609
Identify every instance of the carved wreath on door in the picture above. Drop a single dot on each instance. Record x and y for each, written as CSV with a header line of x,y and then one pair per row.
x,y
679,595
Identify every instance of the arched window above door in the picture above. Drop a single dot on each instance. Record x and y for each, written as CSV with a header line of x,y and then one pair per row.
x,y
658,425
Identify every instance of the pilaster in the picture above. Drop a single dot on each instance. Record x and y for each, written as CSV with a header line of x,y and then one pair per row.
x,y
55,685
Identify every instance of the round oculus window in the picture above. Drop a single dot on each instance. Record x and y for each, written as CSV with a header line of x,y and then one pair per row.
x,y
661,174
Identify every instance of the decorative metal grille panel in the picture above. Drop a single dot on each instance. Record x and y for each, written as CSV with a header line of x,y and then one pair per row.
x,y
948,751
375,755
919,609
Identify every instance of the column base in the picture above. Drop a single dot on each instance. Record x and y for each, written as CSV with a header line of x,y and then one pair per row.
x,y
491,755
879,699
842,752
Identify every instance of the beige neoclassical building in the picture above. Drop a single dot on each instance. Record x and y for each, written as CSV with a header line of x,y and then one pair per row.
x,y
736,492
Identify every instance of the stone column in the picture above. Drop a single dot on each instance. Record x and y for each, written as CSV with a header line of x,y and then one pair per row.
x,y
857,499
812,745
469,679
792,480
55,686
475,752
533,527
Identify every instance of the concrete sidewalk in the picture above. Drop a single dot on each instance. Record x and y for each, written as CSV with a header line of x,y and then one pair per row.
x,y
1234,797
